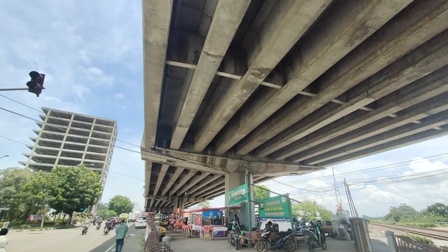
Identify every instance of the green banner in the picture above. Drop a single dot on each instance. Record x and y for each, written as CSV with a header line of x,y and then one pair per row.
x,y
238,195
275,207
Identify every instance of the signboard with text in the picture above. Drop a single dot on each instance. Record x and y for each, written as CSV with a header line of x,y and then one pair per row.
x,y
276,208
238,195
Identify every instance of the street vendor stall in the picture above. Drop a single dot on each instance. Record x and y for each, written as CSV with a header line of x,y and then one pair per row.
x,y
205,222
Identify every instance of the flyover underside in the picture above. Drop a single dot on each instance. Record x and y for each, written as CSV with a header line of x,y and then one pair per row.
x,y
285,87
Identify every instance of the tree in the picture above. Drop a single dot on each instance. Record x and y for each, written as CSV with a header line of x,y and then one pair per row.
x,y
78,188
261,192
439,209
39,192
400,213
121,204
11,182
204,204
105,213
308,210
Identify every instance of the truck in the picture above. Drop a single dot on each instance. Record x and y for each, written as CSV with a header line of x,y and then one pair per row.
x,y
132,217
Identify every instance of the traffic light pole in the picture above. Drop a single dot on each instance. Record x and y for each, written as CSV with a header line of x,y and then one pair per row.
x,y
12,89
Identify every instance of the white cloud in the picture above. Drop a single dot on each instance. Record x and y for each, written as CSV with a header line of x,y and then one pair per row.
x,y
80,90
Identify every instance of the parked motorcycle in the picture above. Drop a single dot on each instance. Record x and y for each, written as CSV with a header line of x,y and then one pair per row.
x,y
315,236
98,226
273,239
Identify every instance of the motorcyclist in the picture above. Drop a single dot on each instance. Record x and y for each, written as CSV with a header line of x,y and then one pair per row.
x,y
85,226
108,225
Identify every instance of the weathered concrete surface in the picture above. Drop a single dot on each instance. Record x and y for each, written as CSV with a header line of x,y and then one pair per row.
x,y
288,22
227,17
411,67
393,41
321,50
156,22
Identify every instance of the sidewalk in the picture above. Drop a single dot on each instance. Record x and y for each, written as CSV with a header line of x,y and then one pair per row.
x,y
181,244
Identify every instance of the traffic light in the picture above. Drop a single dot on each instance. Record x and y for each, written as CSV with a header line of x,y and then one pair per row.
x,y
36,84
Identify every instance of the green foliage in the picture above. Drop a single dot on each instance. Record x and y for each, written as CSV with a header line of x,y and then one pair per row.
x,y
105,213
204,204
308,209
438,209
11,182
261,192
422,239
77,189
39,192
121,204
401,213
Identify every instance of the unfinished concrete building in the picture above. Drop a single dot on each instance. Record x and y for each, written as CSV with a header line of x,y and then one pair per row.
x,y
71,139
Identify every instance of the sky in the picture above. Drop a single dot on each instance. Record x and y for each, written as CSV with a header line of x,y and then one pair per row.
x,y
91,53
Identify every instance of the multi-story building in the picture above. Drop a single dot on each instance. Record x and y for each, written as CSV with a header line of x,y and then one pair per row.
x,y
70,139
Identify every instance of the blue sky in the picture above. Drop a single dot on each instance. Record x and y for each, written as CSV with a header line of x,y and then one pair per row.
x,y
91,53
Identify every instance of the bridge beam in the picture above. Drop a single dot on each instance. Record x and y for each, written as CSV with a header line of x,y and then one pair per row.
x,y
384,47
226,20
407,115
289,20
156,24
431,56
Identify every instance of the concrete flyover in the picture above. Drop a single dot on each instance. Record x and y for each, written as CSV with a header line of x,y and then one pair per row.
x,y
281,87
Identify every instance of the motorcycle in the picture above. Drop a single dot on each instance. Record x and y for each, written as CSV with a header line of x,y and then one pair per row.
x,y
84,230
282,240
233,232
98,225
315,236
106,230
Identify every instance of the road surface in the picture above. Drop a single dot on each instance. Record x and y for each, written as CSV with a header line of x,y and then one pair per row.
x,y
71,240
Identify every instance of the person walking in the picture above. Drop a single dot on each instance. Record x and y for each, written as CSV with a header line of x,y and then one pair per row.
x,y
120,232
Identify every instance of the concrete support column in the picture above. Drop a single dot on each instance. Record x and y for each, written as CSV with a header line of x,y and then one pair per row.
x,y
391,241
232,180
175,207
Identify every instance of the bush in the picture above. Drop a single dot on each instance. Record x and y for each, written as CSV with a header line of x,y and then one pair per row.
x,y
422,239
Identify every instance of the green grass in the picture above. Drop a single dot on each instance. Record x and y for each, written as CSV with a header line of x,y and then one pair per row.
x,y
422,239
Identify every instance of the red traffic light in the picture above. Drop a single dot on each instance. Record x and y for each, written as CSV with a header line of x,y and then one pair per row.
x,y
36,84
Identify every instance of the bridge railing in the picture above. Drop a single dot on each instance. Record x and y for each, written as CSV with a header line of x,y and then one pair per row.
x,y
403,243
152,243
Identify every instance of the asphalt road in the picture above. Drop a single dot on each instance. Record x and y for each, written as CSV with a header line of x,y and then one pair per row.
x,y
71,240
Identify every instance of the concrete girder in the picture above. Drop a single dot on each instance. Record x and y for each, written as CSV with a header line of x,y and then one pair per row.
x,y
228,74
156,24
430,56
169,199
225,164
182,181
391,42
205,182
419,91
289,21
417,112
209,187
427,123
148,171
226,20
192,183
160,178
412,139
213,194
173,179
163,158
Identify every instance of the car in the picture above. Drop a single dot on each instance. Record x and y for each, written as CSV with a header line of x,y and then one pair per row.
x,y
140,222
